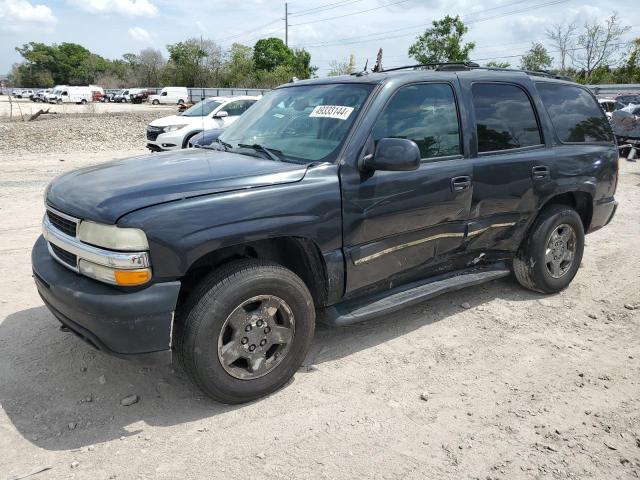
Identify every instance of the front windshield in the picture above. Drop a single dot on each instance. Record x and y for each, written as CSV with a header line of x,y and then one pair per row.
x,y
202,109
301,123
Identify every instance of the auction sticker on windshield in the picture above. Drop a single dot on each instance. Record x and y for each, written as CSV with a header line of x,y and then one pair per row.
x,y
331,111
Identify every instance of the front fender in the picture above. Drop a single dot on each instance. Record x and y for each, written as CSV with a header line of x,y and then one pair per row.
x,y
183,231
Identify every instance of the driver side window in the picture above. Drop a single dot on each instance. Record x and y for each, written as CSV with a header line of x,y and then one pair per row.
x,y
425,113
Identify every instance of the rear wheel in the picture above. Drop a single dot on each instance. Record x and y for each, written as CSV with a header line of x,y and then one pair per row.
x,y
180,102
83,101
246,330
550,257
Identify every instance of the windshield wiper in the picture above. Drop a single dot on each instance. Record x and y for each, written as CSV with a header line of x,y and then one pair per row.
x,y
227,146
260,148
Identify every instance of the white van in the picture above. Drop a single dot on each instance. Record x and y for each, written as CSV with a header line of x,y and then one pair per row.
x,y
171,95
81,95
52,97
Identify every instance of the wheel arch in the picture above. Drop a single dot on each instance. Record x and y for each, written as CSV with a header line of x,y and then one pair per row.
x,y
580,200
298,254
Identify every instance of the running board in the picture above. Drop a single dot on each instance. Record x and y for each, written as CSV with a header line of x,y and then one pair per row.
x,y
359,310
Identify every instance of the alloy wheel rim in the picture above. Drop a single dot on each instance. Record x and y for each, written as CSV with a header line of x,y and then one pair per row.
x,y
256,337
561,250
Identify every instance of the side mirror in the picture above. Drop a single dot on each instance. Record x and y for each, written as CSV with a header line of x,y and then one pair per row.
x,y
221,114
393,154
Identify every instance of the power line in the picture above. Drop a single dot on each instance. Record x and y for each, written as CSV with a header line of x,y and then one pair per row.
x,y
383,35
324,8
253,30
349,14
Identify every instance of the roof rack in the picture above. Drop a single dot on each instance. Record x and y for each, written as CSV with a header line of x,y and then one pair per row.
x,y
437,66
538,73
458,66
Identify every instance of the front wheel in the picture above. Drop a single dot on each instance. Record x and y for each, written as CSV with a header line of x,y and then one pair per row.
x,y
155,102
246,330
550,257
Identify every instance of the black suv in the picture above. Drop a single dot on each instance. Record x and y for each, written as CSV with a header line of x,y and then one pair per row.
x,y
335,200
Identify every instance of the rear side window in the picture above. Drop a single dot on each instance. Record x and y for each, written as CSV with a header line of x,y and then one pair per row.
x,y
425,113
505,118
575,114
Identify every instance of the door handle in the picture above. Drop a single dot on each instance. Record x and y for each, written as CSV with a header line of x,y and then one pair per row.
x,y
460,184
540,171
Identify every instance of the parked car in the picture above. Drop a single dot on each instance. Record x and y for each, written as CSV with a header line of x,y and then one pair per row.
x,y
108,97
205,138
338,199
628,99
175,131
23,93
54,95
140,96
626,123
170,95
609,105
124,96
78,94
39,95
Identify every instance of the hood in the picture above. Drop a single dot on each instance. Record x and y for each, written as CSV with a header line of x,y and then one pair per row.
x,y
106,192
174,120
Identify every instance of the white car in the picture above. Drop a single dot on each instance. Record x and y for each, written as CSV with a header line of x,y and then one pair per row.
x,y
175,132
170,95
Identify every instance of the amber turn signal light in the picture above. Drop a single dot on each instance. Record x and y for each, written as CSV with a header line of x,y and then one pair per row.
x,y
131,278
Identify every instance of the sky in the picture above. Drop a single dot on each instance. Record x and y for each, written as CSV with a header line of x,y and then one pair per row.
x,y
328,29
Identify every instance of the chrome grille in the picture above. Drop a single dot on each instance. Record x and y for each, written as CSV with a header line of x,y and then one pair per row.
x,y
64,223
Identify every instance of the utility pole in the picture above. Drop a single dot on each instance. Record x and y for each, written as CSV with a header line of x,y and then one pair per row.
x,y
286,24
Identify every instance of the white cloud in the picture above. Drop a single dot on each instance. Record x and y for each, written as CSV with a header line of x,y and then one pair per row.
x,y
17,15
123,7
139,34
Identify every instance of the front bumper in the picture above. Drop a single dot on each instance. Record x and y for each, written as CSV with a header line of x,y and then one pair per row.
x,y
118,322
167,141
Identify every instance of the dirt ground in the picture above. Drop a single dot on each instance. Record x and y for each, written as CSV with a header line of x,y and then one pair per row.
x,y
519,385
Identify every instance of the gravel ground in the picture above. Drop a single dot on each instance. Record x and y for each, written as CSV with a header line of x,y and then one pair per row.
x,y
81,132
492,382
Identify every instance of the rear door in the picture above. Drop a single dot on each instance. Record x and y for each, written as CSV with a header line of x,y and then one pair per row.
x,y
509,147
398,225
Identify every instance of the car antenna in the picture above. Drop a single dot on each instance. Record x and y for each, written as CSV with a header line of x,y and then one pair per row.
x,y
364,70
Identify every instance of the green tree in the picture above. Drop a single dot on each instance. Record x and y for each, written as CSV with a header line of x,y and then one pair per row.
x,y
537,58
442,42
238,69
302,64
496,64
186,58
269,53
342,68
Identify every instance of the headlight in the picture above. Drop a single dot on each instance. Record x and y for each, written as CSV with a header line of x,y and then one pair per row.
x,y
173,128
125,278
113,237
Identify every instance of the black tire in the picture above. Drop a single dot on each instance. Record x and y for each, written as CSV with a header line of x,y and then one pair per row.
x,y
201,321
529,265
180,102
83,101
156,102
187,139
